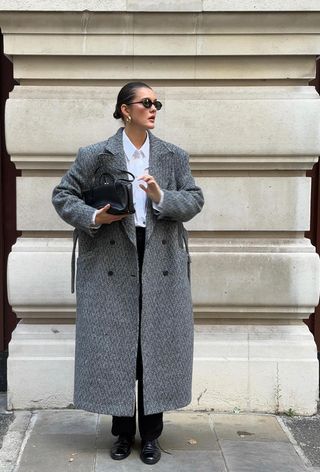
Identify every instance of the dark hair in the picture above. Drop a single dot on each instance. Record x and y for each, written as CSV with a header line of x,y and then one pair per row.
x,y
126,95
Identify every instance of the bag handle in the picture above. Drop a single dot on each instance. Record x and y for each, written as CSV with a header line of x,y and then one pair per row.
x,y
112,176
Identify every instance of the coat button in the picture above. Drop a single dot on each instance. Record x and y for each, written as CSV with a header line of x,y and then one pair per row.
x,y
165,272
112,241
110,272
164,241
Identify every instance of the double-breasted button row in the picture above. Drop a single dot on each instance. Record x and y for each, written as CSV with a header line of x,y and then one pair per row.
x,y
110,272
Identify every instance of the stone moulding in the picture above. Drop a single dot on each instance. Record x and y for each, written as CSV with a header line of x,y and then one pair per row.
x,y
159,6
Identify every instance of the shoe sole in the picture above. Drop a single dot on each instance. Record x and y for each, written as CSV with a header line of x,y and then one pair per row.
x,y
150,462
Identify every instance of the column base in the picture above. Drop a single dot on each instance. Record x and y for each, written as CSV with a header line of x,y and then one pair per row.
x,y
41,366
264,366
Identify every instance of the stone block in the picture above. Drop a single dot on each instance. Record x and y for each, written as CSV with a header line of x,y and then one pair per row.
x,y
246,121
233,203
255,280
39,275
164,68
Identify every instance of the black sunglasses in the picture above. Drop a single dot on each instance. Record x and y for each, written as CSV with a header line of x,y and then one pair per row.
x,y
147,103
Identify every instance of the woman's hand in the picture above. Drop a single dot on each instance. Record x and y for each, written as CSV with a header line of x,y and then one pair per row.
x,y
153,189
105,218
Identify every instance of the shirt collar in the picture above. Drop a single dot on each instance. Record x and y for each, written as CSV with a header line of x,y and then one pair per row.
x,y
129,147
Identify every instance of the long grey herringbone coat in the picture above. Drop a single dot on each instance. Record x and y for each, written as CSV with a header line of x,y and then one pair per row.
x,y
107,286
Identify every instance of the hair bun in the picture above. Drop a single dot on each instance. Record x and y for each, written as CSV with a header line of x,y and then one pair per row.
x,y
116,113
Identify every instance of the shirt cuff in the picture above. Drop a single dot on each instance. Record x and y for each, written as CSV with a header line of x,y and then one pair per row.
x,y
158,206
93,222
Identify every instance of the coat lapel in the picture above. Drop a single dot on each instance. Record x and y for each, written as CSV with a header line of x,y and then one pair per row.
x,y
158,167
114,146
157,150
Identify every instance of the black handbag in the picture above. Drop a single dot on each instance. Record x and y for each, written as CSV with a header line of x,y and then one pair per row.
x,y
107,188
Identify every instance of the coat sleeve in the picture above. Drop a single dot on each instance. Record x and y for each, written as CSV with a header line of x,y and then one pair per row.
x,y
67,195
185,202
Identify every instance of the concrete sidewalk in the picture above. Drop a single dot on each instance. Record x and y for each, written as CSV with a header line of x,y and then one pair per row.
x,y
65,440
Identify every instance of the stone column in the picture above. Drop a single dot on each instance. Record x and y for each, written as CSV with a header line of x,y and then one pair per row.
x,y
233,77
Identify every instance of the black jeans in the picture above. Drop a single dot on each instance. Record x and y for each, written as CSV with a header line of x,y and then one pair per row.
x,y
150,426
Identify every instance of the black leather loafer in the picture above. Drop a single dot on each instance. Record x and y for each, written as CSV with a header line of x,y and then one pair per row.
x,y
122,447
150,451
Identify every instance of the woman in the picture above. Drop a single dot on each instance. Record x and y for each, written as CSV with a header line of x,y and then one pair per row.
x,y
134,308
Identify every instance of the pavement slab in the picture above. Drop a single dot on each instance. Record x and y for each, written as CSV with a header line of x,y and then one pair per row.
x,y
65,422
248,427
70,439
178,461
187,431
255,456
58,453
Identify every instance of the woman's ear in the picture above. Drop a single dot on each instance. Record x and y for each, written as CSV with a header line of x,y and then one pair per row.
x,y
125,111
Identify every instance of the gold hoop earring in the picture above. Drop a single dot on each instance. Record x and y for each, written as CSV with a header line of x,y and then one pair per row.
x,y
128,119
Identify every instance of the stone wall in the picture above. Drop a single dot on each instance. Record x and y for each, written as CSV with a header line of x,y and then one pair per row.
x,y
233,77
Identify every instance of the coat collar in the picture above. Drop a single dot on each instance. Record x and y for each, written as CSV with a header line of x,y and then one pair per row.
x,y
114,145
130,148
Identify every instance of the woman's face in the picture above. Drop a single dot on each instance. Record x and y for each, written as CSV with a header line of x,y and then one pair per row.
x,y
140,116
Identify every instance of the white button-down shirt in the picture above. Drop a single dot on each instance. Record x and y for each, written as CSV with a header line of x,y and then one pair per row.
x,y
138,165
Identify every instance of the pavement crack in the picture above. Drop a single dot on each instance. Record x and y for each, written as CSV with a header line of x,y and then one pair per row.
x,y
202,393
97,432
31,423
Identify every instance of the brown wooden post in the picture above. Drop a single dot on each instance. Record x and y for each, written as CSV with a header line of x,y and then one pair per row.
x,y
8,232
314,234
